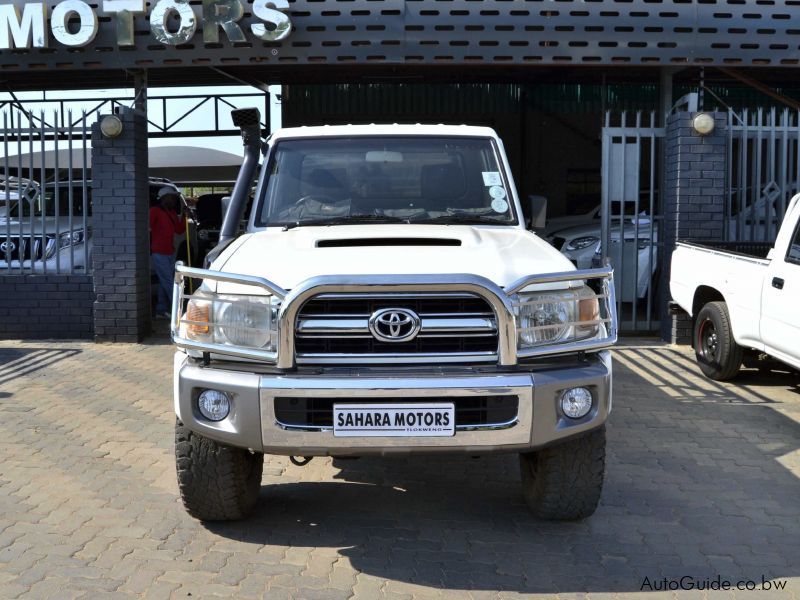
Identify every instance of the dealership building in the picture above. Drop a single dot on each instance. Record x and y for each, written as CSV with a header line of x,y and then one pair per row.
x,y
648,121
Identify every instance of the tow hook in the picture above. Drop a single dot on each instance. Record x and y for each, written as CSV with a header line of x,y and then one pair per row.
x,y
300,461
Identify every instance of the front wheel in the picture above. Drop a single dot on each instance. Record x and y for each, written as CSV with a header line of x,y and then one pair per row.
x,y
217,482
717,353
564,482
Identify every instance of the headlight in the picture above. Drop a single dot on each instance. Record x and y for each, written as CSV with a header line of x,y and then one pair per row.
x,y
65,240
245,321
556,316
581,242
69,238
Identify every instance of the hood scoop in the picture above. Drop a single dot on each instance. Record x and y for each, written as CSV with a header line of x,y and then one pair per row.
x,y
387,241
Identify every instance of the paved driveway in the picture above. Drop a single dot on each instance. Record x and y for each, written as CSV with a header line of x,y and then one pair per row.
x,y
703,481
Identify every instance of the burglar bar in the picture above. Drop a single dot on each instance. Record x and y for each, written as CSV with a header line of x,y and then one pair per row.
x,y
36,235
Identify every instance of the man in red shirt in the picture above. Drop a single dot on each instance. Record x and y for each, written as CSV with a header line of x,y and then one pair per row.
x,y
164,224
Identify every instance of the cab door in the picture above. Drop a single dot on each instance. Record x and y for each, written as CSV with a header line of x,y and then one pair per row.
x,y
780,311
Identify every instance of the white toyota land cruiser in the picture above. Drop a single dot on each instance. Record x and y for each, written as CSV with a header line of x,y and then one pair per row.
x,y
386,299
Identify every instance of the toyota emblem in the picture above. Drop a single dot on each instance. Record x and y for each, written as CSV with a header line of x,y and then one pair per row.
x,y
7,246
394,325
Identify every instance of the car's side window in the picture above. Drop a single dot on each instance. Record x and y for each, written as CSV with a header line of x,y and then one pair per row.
x,y
793,255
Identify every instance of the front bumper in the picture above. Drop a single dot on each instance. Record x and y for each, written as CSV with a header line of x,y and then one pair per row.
x,y
252,423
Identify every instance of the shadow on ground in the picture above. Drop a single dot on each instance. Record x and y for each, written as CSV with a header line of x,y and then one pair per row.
x,y
695,489
19,362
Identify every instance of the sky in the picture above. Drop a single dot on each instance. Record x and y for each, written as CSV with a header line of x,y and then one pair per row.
x,y
203,117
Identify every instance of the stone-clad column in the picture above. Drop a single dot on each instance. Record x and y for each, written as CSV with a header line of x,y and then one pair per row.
x,y
121,253
694,199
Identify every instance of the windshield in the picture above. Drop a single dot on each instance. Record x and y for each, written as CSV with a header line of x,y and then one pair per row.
x,y
51,208
425,179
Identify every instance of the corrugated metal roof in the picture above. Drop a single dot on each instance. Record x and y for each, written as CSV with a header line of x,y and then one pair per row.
x,y
311,104
420,101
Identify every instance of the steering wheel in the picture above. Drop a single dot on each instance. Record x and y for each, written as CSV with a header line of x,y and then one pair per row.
x,y
321,198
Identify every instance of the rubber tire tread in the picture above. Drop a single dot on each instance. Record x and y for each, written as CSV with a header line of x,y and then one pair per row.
x,y
216,482
564,482
729,354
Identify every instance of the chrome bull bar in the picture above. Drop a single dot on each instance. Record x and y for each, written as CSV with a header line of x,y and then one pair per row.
x,y
500,300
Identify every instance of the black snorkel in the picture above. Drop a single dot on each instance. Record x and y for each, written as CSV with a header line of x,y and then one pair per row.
x,y
248,120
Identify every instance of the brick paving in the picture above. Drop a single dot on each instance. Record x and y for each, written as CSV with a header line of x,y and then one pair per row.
x,y
703,480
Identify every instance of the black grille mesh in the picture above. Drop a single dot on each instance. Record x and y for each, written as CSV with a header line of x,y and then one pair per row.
x,y
470,410
421,306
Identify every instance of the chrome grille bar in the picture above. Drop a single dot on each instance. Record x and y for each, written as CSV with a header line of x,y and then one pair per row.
x,y
339,326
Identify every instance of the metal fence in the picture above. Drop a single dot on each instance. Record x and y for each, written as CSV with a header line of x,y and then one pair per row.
x,y
168,116
631,215
763,172
45,197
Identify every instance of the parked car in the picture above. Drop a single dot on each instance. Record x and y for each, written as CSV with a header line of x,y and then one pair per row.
x,y
635,262
758,220
39,232
555,224
578,242
741,295
634,265
422,318
582,246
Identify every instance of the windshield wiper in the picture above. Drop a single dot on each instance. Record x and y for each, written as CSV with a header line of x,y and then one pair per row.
x,y
345,220
461,219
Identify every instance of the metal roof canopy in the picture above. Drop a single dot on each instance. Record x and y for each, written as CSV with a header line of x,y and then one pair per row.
x,y
417,40
180,164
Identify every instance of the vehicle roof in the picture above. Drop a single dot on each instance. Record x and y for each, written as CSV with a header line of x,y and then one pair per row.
x,y
417,129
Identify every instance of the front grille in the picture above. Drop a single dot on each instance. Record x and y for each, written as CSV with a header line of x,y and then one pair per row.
x,y
557,242
470,411
21,248
459,325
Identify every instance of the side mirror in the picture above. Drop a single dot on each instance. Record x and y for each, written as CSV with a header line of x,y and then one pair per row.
x,y
536,216
224,204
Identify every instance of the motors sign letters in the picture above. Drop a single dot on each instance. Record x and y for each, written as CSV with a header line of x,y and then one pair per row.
x,y
74,23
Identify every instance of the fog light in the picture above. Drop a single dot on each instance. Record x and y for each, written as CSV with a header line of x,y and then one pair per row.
x,y
576,402
214,405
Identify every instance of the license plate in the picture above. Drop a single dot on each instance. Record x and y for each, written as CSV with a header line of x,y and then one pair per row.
x,y
432,419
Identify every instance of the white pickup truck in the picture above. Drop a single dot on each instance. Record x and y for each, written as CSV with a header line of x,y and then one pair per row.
x,y
742,299
386,299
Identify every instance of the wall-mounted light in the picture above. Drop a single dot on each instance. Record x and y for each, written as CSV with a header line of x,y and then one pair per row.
x,y
703,123
111,126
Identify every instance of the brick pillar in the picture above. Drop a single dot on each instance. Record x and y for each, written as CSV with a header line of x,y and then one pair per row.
x,y
121,253
693,199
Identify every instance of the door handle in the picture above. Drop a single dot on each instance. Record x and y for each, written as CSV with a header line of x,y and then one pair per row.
x,y
777,282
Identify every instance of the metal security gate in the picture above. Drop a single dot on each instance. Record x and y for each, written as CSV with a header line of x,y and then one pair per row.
x,y
631,216
45,196
763,172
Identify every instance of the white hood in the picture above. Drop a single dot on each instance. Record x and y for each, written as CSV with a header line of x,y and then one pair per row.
x,y
286,258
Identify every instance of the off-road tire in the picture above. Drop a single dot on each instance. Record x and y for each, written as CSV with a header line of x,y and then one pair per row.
x,y
564,482
718,355
217,482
